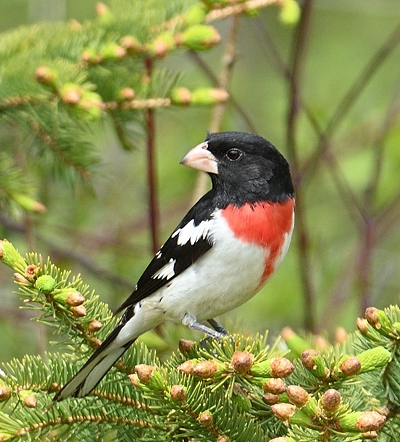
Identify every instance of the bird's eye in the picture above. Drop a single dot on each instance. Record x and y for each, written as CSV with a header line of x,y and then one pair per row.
x,y
234,154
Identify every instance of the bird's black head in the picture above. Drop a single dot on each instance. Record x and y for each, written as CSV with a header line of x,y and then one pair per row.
x,y
243,167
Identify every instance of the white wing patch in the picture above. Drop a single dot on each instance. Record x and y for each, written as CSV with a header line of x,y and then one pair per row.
x,y
167,271
192,233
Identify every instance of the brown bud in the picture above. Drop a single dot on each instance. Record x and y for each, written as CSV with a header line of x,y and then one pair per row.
x,y
370,435
362,325
297,395
30,401
131,44
94,325
185,345
307,358
79,311
278,439
45,75
281,367
72,95
144,372
205,418
242,361
19,278
101,9
178,393
74,299
350,366
187,367
275,386
340,335
54,386
370,421
134,379
270,399
330,400
1,249
283,411
205,369
127,93
222,439
371,315
30,271
94,343
5,392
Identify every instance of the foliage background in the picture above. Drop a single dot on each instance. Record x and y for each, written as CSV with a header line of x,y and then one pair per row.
x,y
346,245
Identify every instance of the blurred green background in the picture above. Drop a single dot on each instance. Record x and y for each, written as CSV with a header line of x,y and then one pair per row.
x,y
350,193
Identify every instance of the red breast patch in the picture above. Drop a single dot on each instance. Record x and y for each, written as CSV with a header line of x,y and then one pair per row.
x,y
264,224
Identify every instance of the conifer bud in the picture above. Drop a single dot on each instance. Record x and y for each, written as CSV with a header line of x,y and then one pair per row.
x,y
28,398
5,392
45,75
91,56
127,94
162,44
350,366
374,358
275,367
45,284
294,342
19,278
94,326
71,93
270,399
177,393
195,15
144,372
104,13
242,361
222,439
330,400
94,342
112,51
205,369
275,386
362,325
340,335
54,386
74,298
313,362
371,315
133,377
30,271
370,421
187,366
181,96
92,105
185,345
205,418
297,395
198,37
283,411
11,257
79,311
208,96
131,44
290,12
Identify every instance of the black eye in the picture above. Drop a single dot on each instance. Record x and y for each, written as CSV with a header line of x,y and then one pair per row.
x,y
234,154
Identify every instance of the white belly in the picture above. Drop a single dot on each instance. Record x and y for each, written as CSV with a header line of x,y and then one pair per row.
x,y
205,291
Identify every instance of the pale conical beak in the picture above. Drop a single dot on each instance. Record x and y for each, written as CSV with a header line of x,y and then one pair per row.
x,y
201,158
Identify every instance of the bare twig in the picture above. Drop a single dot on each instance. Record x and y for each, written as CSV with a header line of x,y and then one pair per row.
x,y
151,169
303,237
223,83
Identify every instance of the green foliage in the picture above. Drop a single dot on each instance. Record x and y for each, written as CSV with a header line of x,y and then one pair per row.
x,y
238,389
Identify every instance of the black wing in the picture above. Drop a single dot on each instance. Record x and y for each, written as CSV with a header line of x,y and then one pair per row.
x,y
174,257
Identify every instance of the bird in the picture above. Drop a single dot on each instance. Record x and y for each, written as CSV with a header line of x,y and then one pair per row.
x,y
219,256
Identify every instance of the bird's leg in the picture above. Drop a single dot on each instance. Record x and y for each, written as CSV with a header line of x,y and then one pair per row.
x,y
191,322
217,326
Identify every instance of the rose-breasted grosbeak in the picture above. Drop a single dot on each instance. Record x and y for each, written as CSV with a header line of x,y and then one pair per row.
x,y
220,255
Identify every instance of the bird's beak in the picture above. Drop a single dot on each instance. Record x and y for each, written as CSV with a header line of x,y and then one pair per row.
x,y
201,158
